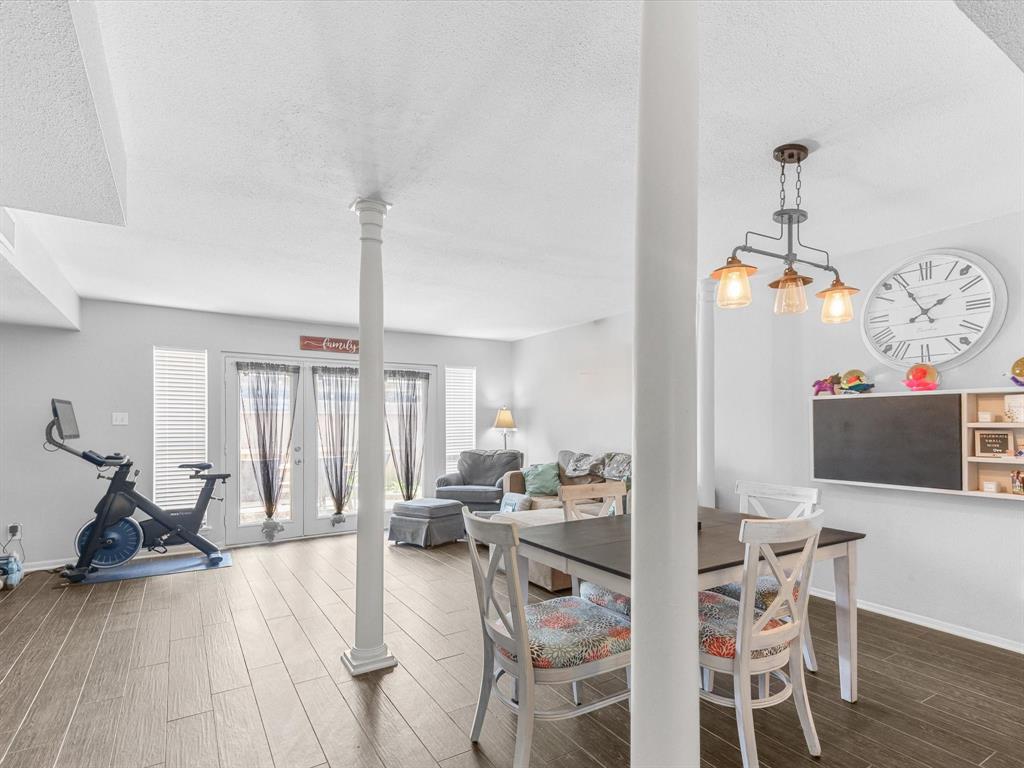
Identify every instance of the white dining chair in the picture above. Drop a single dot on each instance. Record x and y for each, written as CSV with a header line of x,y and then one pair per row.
x,y
741,640
772,500
554,642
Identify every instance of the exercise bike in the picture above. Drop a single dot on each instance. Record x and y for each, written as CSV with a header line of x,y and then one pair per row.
x,y
114,537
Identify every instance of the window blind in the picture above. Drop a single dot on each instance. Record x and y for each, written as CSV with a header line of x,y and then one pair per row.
x,y
459,414
179,423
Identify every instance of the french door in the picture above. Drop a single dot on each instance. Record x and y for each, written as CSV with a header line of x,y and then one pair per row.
x,y
304,502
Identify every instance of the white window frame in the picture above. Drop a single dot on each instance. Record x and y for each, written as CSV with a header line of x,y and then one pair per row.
x,y
190,412
459,416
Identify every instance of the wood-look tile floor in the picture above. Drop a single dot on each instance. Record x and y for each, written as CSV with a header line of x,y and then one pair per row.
x,y
241,667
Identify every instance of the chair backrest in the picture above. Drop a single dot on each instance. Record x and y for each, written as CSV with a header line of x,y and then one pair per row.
x,y
509,631
612,494
483,467
752,496
794,584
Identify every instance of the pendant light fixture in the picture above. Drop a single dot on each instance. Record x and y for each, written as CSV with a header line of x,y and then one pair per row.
x,y
791,299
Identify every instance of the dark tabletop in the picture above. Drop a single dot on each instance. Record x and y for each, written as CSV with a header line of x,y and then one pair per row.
x,y
604,542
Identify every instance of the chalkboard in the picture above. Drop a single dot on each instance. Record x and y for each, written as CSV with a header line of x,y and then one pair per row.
x,y
912,440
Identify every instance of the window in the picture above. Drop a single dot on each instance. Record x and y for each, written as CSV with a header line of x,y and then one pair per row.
x,y
179,422
459,414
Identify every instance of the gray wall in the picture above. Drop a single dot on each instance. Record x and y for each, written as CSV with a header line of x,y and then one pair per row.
x,y
108,366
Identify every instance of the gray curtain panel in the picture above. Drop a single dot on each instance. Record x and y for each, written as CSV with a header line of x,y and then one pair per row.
x,y
336,391
405,410
268,392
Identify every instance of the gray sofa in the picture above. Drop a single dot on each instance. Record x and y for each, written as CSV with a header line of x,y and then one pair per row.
x,y
478,481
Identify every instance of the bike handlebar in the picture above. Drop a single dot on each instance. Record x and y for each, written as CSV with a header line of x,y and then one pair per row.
x,y
114,460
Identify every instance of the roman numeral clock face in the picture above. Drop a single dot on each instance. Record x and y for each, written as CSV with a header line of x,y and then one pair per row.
x,y
938,308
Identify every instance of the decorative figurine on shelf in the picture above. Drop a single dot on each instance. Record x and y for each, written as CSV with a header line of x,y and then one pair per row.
x,y
921,378
1017,372
855,382
827,386
1017,483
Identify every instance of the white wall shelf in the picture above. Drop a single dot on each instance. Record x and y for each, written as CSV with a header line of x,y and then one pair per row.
x,y
976,469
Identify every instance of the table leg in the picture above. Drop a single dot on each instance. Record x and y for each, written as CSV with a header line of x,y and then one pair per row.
x,y
845,569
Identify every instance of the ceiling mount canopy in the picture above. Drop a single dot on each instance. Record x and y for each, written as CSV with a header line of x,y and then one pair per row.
x,y
734,285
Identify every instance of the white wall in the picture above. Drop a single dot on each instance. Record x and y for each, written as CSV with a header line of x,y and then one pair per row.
x,y
108,366
950,559
573,389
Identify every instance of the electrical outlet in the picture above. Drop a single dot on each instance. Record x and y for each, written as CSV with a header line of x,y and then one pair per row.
x,y
14,530
119,419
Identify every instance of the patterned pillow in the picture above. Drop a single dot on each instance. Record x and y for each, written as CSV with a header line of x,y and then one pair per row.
x,y
514,502
581,465
617,466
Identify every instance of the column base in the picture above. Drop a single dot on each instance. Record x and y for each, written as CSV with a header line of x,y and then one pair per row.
x,y
359,661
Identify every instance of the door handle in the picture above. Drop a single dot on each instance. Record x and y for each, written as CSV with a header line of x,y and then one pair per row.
x,y
298,461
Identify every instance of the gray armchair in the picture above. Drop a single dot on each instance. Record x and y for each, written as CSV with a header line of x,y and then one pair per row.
x,y
478,481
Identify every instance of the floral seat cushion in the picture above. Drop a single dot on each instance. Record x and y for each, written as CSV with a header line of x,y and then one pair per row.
x,y
569,631
606,598
764,594
718,617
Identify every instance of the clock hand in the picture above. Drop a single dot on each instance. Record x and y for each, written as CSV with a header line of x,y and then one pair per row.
x,y
933,306
913,298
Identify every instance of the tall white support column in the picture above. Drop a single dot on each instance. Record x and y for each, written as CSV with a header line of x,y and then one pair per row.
x,y
370,652
706,290
665,723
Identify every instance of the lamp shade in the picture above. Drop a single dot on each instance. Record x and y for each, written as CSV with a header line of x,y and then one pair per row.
x,y
504,419
791,298
733,283
836,305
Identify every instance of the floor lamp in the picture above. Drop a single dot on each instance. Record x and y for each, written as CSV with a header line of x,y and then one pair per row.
x,y
505,422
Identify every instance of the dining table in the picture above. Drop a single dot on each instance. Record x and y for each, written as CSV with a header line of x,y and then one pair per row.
x,y
598,549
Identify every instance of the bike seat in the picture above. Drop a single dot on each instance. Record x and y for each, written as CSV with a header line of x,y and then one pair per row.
x,y
198,466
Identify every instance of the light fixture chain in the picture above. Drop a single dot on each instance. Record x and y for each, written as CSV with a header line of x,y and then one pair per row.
x,y
798,184
782,186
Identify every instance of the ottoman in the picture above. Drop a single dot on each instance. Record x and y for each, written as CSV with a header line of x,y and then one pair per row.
x,y
426,522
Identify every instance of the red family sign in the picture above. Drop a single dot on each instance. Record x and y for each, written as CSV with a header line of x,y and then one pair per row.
x,y
327,344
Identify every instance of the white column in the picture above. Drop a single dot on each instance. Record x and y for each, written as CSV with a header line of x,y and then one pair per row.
x,y
664,709
370,652
706,289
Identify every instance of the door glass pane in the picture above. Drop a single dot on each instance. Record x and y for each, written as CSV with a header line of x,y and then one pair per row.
x,y
267,429
336,398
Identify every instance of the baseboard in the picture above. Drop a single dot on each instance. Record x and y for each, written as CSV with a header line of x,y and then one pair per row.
x,y
49,565
927,621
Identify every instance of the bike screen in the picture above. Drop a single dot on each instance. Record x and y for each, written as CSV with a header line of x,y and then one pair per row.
x,y
67,424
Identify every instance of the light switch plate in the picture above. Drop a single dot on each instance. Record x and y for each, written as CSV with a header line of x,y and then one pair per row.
x,y
119,418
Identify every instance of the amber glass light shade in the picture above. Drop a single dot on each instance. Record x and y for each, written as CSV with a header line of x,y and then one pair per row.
x,y
791,299
733,283
837,304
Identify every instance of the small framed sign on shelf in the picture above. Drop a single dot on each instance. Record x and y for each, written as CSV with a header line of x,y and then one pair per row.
x,y
994,443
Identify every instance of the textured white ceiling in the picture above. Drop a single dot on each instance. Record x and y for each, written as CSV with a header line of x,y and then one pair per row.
x,y
504,135
1001,20
60,148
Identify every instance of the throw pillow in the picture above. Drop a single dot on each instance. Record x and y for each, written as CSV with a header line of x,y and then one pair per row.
x,y
581,465
541,479
514,502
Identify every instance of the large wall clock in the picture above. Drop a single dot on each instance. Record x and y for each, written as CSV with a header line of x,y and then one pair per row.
x,y
942,307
